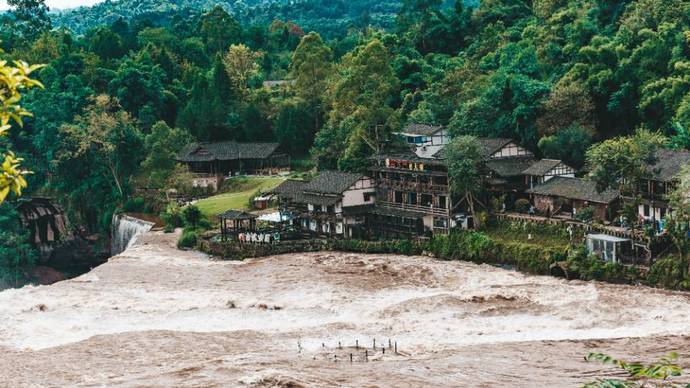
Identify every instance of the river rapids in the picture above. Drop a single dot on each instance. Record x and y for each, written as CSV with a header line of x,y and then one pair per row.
x,y
157,316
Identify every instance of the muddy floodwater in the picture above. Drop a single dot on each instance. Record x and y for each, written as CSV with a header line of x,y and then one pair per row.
x,y
156,316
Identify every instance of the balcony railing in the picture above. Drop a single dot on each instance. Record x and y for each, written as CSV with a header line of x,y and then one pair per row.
x,y
416,208
418,187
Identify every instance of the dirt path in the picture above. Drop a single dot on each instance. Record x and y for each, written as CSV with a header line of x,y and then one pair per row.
x,y
156,316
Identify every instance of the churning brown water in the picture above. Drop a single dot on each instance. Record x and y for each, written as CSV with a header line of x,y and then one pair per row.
x,y
156,316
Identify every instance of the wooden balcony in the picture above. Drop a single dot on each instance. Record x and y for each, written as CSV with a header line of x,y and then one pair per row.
x,y
417,187
416,208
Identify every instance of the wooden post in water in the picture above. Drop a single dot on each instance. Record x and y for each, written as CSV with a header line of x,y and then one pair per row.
x,y
350,357
396,347
356,344
374,347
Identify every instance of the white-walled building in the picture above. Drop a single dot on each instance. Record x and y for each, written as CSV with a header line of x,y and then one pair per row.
x,y
332,204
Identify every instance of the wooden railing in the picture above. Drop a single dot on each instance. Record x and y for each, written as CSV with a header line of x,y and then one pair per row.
x,y
414,186
415,208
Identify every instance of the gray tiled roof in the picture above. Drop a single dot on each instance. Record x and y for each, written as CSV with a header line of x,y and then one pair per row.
x,y
315,199
493,145
237,215
226,150
510,167
669,164
290,189
422,129
332,182
542,167
574,188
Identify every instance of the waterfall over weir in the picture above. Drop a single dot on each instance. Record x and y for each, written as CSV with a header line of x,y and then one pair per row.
x,y
125,230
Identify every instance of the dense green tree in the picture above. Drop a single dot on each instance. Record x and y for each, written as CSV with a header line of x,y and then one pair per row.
x,y
219,30
241,64
311,67
162,145
360,102
138,82
624,162
292,125
464,157
569,144
107,44
30,17
100,152
17,256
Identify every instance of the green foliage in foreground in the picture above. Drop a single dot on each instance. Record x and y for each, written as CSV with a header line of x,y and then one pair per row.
x,y
663,370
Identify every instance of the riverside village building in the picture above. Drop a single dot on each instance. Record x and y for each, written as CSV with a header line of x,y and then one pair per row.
x,y
407,194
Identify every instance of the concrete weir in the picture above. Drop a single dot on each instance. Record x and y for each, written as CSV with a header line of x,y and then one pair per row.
x,y
125,230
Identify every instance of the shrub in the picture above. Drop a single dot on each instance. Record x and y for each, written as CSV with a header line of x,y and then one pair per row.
x,y
522,205
188,239
172,217
191,215
586,214
669,273
134,205
594,268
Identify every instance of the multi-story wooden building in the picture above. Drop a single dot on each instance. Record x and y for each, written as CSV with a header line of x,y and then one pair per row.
x,y
333,204
413,196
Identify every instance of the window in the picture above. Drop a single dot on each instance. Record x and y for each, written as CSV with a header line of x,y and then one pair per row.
x,y
440,222
427,200
369,196
442,202
398,197
330,209
412,198
646,210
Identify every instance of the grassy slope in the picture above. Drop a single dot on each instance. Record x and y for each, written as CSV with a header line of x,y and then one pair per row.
x,y
237,193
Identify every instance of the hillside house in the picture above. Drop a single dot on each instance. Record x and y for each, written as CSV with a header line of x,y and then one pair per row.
x,y
505,163
333,204
663,178
211,162
563,196
544,170
425,140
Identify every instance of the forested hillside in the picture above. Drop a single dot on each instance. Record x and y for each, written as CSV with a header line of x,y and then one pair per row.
x,y
121,99
328,17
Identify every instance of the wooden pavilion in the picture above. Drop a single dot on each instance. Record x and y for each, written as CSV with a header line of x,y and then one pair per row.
x,y
235,222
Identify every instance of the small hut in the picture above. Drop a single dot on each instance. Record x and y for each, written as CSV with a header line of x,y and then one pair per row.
x,y
233,222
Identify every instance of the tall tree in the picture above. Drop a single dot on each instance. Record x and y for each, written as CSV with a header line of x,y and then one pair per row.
x,y
678,218
312,65
624,162
361,107
464,157
31,17
162,145
219,30
106,134
241,64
